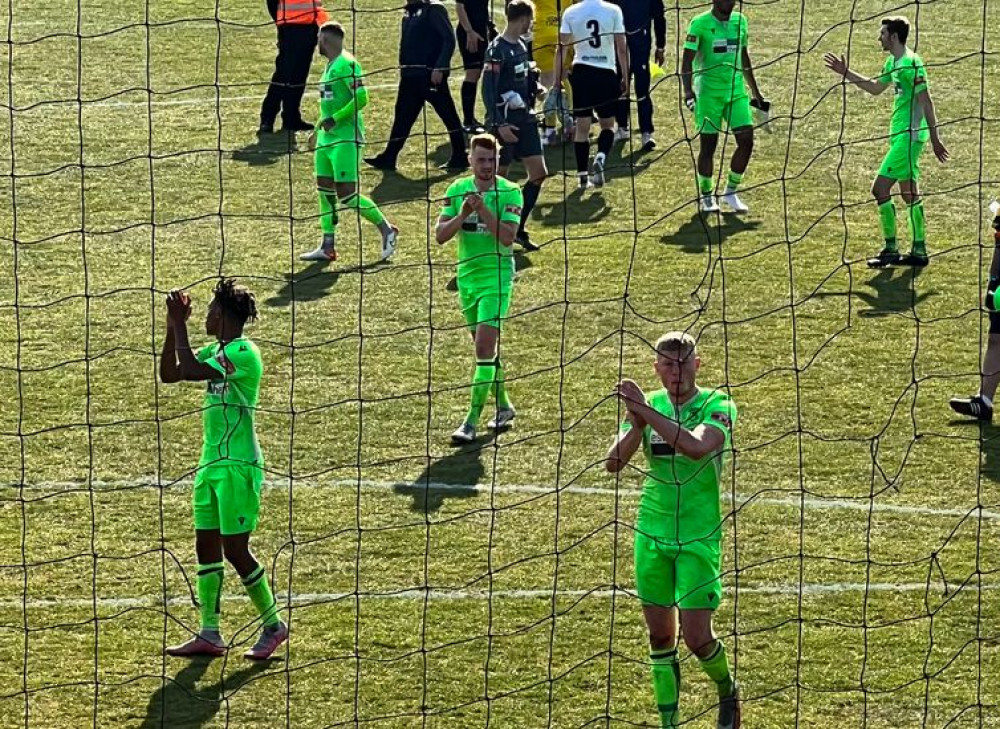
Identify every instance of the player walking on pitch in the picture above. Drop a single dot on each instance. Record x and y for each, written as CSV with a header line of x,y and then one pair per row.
x,y
338,139
714,67
226,494
685,432
914,121
483,210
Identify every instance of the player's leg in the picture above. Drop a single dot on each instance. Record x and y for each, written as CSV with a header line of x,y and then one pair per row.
x,y
882,192
351,199
980,405
656,588
484,311
326,192
641,89
610,90
530,148
709,111
239,510
910,192
271,105
211,570
472,63
410,97
739,118
699,585
302,51
439,97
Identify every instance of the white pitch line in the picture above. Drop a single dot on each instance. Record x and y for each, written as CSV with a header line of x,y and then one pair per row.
x,y
792,502
317,598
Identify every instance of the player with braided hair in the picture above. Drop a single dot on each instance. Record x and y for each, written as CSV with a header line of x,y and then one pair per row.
x,y
226,495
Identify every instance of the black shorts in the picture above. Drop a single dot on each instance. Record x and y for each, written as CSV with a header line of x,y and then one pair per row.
x,y
474,61
594,89
995,322
528,143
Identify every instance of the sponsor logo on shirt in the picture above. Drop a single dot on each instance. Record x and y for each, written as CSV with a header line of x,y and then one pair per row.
x,y
692,38
725,45
721,417
659,447
216,387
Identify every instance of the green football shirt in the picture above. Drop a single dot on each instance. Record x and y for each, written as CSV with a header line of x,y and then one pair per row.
x,y
341,80
680,496
908,77
718,46
484,262
230,437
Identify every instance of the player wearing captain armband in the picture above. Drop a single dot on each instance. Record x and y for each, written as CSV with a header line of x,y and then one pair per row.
x,y
685,433
226,494
914,121
980,405
484,211
338,140
716,70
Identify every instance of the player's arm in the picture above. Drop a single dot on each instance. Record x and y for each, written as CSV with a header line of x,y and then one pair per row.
x,y
333,115
503,230
659,14
463,18
687,66
169,371
187,365
749,77
625,445
923,94
562,57
695,444
441,24
838,64
495,112
621,53
451,218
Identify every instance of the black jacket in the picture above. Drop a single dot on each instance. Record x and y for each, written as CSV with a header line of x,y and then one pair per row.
x,y
640,13
427,41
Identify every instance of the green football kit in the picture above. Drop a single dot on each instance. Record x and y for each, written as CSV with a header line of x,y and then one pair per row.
x,y
338,151
227,486
908,129
485,266
720,91
678,531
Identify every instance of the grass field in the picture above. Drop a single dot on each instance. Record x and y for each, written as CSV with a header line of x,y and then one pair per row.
x,y
490,586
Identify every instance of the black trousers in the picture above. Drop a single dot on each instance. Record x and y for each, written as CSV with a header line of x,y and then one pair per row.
x,y
296,45
639,46
415,90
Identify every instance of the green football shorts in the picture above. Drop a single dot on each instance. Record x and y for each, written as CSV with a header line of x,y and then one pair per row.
x,y
711,109
903,159
338,160
687,576
484,306
227,498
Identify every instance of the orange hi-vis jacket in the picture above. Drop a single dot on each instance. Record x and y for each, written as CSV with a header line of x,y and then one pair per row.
x,y
301,12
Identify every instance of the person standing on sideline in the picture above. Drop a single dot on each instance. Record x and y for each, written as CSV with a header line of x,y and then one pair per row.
x,y
425,50
639,15
298,22
474,32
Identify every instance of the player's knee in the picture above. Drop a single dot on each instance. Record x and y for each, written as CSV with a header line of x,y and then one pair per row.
x,y
699,642
744,140
662,639
708,143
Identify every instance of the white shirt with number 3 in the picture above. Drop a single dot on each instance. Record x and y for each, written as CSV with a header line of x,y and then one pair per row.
x,y
592,24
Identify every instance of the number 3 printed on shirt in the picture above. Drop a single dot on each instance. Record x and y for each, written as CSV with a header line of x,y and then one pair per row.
x,y
595,33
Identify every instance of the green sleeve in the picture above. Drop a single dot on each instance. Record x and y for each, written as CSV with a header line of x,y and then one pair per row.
x,y
886,76
721,414
359,96
745,31
207,355
919,74
691,41
240,362
512,203
452,201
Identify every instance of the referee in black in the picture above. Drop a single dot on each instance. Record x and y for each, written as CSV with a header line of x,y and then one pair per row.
x,y
425,50
639,16
475,30
510,85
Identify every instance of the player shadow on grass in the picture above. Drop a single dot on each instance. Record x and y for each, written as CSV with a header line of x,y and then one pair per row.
x,y
181,703
892,294
989,445
315,281
575,208
394,187
706,229
453,477
266,149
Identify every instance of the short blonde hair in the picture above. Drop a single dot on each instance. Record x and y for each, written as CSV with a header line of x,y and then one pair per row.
x,y
485,140
679,343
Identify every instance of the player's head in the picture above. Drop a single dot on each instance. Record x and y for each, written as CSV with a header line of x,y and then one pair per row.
x,y
520,15
677,363
331,39
894,32
232,307
723,8
483,152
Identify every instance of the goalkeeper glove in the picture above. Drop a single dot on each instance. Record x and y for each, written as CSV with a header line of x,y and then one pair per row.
x,y
762,114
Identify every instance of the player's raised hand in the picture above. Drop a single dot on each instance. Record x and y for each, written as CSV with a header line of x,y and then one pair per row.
x,y
178,306
471,204
837,64
630,394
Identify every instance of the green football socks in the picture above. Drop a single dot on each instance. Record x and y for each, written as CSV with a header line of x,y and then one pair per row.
x,y
887,216
500,388
918,229
210,594
666,686
733,181
366,206
717,668
706,184
482,382
259,590
327,212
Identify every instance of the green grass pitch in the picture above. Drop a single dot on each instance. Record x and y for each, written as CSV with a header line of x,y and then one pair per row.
x,y
861,553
